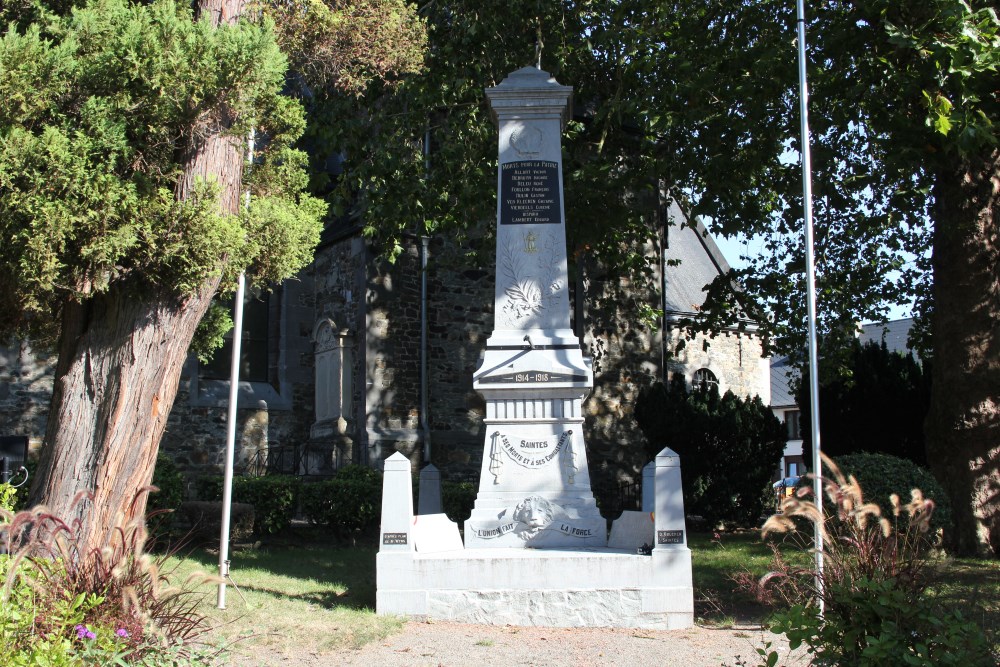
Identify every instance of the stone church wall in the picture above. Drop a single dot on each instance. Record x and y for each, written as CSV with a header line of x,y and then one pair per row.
x,y
376,306
25,390
735,359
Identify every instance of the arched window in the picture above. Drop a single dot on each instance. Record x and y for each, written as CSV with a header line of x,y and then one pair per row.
x,y
704,379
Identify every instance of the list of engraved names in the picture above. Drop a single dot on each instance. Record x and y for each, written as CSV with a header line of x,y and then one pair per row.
x,y
529,193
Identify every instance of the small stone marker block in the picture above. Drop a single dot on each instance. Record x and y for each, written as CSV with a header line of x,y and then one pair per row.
x,y
429,501
631,531
397,505
669,501
433,533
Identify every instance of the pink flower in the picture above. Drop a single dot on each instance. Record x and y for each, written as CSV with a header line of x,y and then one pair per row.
x,y
122,632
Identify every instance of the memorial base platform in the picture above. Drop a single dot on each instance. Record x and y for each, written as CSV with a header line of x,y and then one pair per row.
x,y
598,587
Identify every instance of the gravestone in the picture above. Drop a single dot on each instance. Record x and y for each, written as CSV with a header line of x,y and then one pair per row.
x,y
534,485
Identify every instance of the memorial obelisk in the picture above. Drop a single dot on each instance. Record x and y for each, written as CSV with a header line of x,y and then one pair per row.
x,y
534,487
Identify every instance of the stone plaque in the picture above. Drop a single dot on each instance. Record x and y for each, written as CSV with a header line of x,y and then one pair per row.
x,y
532,377
670,537
529,193
393,538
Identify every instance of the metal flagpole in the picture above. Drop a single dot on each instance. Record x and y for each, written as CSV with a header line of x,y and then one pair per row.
x,y
234,382
811,302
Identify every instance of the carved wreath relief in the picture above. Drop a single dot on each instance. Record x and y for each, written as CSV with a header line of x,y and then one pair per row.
x,y
526,140
530,268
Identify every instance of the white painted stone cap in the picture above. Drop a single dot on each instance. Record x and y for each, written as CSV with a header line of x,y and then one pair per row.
x,y
533,92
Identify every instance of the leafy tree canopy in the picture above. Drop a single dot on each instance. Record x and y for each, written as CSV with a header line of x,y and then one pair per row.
x,y
96,107
700,98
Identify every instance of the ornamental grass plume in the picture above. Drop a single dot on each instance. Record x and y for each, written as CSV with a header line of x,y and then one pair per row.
x,y
857,540
873,585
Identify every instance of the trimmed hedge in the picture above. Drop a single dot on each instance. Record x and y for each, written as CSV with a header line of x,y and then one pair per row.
x,y
881,475
273,498
170,482
350,502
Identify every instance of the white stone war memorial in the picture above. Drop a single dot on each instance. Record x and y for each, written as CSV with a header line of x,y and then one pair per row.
x,y
536,549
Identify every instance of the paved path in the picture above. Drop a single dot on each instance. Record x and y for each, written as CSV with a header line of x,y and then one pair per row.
x,y
439,644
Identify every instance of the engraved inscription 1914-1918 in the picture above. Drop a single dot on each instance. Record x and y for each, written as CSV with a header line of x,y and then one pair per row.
x,y
529,193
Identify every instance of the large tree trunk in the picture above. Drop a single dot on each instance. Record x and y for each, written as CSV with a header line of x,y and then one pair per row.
x,y
963,426
120,360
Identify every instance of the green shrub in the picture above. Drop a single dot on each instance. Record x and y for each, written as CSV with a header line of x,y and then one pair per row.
x,y
882,475
457,500
164,502
873,586
729,448
170,482
877,623
360,473
209,487
348,503
273,497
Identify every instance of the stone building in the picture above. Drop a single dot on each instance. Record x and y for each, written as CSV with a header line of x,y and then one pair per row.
x,y
357,358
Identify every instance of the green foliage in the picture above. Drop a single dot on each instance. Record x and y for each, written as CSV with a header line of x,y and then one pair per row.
x,y
729,448
163,503
348,503
897,88
457,500
882,476
212,330
359,473
96,107
877,404
170,482
877,609
8,496
115,609
393,187
273,498
877,623
345,45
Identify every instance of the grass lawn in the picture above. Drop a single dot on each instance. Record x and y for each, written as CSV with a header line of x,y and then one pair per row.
x,y
319,596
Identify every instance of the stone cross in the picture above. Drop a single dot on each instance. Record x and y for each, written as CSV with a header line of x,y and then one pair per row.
x,y
534,488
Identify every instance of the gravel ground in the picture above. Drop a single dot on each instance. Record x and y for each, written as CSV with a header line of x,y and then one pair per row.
x,y
458,644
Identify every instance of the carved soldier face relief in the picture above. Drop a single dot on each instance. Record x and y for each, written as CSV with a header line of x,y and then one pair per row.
x,y
536,513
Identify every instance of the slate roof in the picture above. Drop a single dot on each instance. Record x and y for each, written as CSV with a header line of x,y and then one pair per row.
x,y
689,243
894,334
781,394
